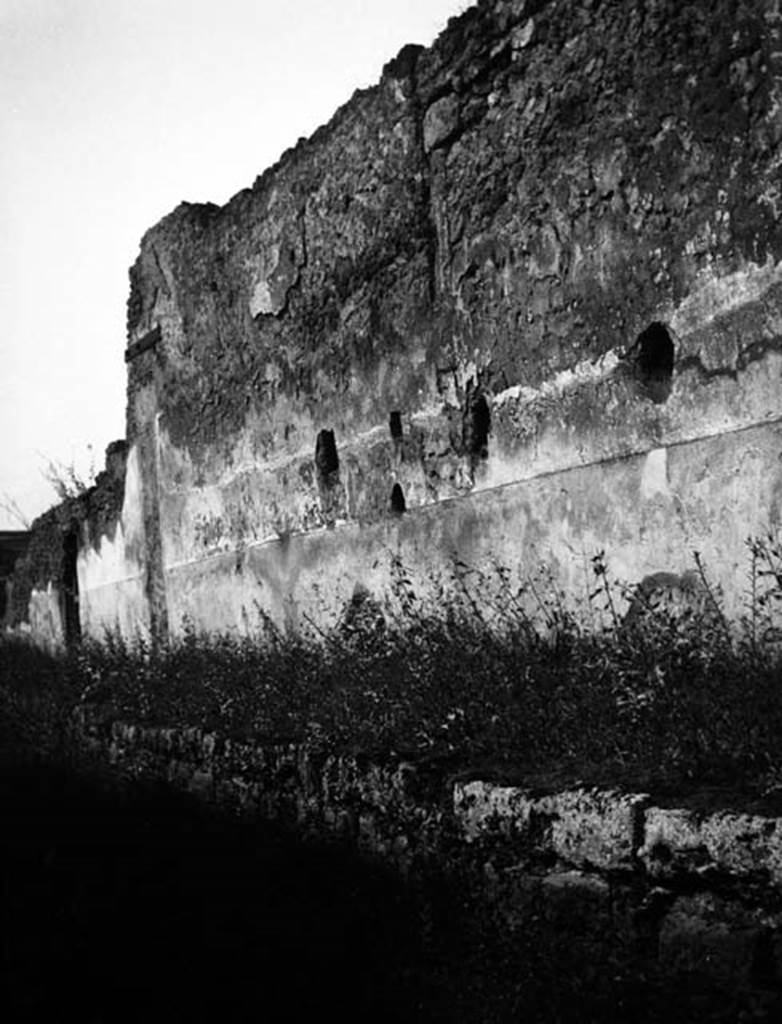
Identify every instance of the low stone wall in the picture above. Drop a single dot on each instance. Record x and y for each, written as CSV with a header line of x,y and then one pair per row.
x,y
607,830
392,810
619,875
693,890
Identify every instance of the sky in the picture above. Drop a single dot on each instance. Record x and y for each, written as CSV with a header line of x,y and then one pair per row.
x,y
111,113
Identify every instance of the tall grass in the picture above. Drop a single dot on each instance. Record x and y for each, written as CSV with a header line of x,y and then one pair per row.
x,y
659,696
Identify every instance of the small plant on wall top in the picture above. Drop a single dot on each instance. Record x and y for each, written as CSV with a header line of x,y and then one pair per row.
x,y
66,480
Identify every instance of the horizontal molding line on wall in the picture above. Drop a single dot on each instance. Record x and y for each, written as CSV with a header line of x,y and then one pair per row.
x,y
433,506
91,588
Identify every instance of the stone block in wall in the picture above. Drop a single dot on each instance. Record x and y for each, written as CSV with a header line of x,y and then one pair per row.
x,y
709,935
515,893
594,827
577,903
681,841
385,789
572,907
570,920
480,806
582,827
440,122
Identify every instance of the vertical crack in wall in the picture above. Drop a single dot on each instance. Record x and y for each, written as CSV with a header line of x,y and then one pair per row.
x,y
154,582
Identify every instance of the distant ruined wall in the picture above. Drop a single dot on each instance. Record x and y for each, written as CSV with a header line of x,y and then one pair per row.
x,y
530,285
13,546
84,569
113,565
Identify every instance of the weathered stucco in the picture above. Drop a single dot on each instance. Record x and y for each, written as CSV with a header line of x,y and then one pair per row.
x,y
59,587
45,617
112,575
531,283
715,492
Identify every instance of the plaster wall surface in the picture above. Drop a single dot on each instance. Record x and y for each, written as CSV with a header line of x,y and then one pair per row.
x,y
711,480
45,618
112,575
649,512
453,280
492,227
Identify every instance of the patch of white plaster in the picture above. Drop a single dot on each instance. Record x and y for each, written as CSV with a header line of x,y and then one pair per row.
x,y
261,268
261,300
132,516
522,36
584,372
654,474
109,564
45,618
110,573
716,295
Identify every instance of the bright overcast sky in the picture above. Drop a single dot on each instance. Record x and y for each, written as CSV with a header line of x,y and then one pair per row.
x,y
111,113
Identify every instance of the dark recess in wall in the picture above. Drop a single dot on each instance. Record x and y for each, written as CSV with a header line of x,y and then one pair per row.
x,y
326,458
70,579
654,361
477,426
398,505
395,424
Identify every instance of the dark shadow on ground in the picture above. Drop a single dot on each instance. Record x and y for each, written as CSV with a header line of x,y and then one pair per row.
x,y
138,904
142,906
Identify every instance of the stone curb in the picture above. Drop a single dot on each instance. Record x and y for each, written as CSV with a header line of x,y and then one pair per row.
x,y
744,845
583,827
611,830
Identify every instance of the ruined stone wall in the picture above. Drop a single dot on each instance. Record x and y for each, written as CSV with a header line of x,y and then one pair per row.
x,y
689,885
13,546
84,569
535,269
38,580
113,563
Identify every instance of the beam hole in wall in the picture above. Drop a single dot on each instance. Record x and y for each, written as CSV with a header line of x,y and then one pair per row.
x,y
326,458
398,504
70,586
395,424
654,361
478,426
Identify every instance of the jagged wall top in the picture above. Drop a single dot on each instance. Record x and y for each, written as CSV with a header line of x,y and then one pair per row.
x,y
529,192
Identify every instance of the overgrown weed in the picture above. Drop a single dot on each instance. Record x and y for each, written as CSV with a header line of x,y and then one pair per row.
x,y
482,672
